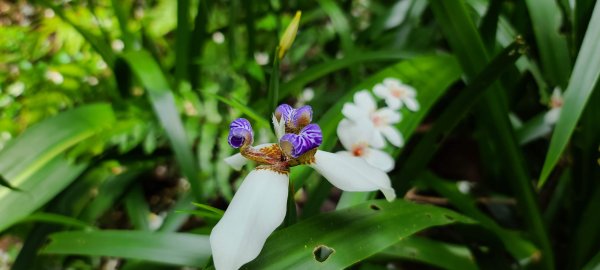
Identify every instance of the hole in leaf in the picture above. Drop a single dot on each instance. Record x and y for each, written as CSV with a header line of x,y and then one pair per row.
x,y
322,253
374,207
448,217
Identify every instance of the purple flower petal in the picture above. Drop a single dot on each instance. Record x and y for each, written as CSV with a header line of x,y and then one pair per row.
x,y
313,133
302,116
296,145
284,111
240,133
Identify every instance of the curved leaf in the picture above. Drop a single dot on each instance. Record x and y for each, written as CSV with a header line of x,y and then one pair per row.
x,y
33,162
152,78
353,234
586,75
170,248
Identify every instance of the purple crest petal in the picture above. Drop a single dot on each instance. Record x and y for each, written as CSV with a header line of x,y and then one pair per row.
x,y
285,111
309,138
302,116
240,132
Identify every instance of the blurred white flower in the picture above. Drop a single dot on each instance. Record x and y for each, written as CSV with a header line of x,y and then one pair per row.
x,y
48,13
355,137
16,89
55,77
155,221
397,94
364,108
91,80
117,45
218,37
556,103
261,58
306,96
464,186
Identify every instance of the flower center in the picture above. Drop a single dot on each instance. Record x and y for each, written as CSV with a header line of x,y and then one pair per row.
x,y
358,150
378,121
398,92
556,102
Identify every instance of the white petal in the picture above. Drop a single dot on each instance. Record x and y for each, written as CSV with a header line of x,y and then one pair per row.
x,y
238,161
377,139
364,100
279,127
379,159
353,133
393,102
393,136
551,117
381,91
256,210
391,116
353,112
392,82
412,104
350,173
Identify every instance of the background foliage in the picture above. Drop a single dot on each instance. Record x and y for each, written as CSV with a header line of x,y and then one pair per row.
x,y
114,117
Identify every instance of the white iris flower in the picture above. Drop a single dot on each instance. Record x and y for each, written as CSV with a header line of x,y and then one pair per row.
x,y
259,205
397,94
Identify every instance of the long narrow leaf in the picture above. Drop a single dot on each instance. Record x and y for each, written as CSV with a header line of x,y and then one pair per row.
x,y
584,80
456,24
372,226
151,77
170,248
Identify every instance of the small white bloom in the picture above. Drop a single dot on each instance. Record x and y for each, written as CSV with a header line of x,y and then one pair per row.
x,y
355,138
397,94
218,37
364,108
261,58
16,89
117,45
55,77
155,221
464,186
556,103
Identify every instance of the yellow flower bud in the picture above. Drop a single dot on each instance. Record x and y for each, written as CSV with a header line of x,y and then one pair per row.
x,y
289,35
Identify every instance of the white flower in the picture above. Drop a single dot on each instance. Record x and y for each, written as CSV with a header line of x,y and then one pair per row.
x,y
556,103
259,205
355,137
54,76
364,108
397,94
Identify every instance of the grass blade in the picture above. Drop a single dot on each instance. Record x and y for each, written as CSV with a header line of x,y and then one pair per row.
x,y
546,22
583,82
456,24
151,77
170,248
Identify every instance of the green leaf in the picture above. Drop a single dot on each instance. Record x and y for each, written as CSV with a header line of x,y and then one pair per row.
x,y
353,234
41,171
430,75
151,77
520,249
303,78
170,248
440,254
594,263
57,219
583,82
6,184
546,20
460,32
252,114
